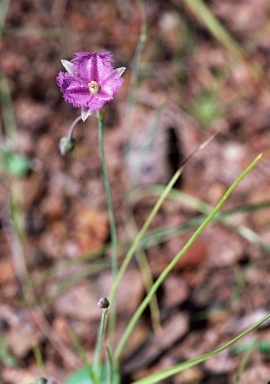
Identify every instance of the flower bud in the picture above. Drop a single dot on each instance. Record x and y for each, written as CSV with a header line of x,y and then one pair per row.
x,y
41,380
103,303
66,145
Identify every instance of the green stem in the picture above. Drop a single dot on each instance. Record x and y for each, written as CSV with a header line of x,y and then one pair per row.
x,y
97,358
109,368
172,264
112,223
71,129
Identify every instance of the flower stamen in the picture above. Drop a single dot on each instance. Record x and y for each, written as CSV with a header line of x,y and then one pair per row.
x,y
93,87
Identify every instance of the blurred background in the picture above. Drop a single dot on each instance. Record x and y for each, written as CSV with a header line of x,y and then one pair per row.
x,y
194,69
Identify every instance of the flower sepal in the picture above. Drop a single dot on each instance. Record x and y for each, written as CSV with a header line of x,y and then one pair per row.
x,y
85,113
68,66
119,71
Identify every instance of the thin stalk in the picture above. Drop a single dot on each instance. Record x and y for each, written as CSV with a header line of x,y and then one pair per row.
x,y
172,264
147,279
8,114
109,368
39,359
100,339
71,129
113,311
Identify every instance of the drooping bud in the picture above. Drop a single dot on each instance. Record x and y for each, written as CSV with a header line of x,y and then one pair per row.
x,y
103,303
41,380
66,145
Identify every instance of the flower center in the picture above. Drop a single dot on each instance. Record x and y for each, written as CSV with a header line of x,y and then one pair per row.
x,y
93,87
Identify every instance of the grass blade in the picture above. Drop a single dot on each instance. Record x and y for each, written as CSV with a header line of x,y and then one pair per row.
x,y
155,378
172,264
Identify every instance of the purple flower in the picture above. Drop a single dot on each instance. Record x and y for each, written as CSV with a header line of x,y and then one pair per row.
x,y
90,81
